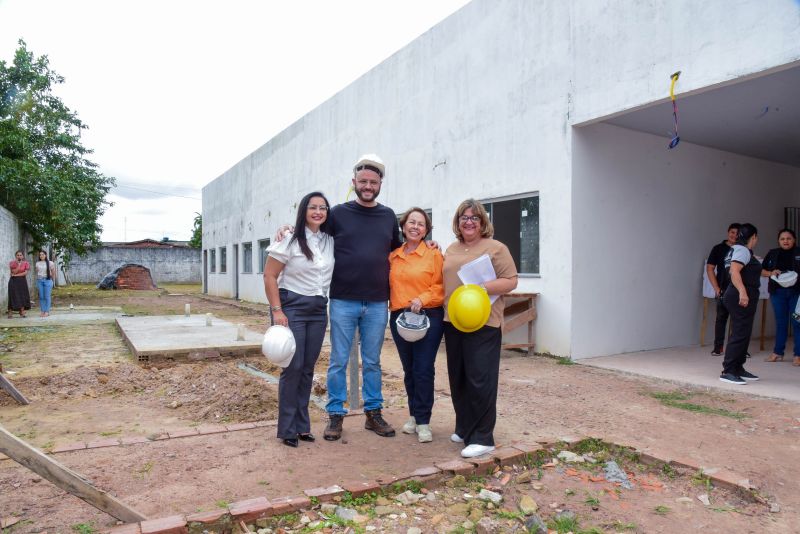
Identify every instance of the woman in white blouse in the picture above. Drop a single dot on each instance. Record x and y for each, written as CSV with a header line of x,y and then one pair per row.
x,y
297,277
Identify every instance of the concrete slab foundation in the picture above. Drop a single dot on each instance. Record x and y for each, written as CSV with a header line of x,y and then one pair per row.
x,y
172,338
64,317
696,367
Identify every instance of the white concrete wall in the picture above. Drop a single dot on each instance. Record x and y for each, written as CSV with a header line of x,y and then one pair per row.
x,y
644,220
624,52
492,91
485,90
167,265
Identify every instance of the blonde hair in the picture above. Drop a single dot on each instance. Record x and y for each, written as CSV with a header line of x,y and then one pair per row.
x,y
487,229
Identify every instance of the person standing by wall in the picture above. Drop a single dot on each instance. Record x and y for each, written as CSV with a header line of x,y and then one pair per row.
x,y
364,232
19,298
783,298
741,300
297,276
416,284
718,277
45,274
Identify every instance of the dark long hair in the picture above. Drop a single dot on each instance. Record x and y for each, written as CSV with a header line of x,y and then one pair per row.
x,y
46,261
746,231
300,224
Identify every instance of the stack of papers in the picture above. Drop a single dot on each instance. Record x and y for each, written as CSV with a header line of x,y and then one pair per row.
x,y
479,271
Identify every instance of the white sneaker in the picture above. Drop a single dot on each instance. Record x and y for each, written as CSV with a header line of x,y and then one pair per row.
x,y
410,426
424,433
471,451
455,438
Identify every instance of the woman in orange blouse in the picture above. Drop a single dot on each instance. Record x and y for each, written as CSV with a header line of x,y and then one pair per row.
x,y
415,282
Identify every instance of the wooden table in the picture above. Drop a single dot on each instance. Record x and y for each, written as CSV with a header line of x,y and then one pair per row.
x,y
520,310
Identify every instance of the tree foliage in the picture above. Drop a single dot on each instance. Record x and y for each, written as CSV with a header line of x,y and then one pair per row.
x,y
197,232
46,178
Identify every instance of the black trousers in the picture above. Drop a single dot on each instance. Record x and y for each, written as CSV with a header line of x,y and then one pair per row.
x,y
418,359
307,320
720,324
473,366
741,329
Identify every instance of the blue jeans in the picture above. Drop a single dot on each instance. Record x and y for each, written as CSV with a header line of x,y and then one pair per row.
x,y
783,300
370,319
418,360
45,288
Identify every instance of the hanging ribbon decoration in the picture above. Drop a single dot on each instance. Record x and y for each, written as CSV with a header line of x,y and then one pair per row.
x,y
675,139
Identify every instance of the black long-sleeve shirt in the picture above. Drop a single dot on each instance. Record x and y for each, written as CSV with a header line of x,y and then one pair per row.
x,y
363,239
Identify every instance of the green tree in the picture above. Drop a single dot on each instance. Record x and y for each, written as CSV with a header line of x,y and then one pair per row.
x,y
197,232
46,179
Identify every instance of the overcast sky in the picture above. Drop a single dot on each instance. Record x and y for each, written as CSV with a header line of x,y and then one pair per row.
x,y
176,92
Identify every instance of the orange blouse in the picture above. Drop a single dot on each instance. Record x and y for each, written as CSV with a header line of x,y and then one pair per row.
x,y
418,274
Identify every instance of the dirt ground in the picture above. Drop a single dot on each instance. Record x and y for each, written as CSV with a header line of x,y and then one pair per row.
x,y
84,386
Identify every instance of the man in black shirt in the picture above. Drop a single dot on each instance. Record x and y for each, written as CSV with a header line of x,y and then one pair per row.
x,y
718,276
364,233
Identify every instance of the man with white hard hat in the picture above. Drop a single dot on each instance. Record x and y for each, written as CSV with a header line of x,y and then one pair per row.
x,y
364,232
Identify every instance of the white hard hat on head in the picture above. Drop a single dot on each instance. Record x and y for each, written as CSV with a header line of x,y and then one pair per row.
x,y
370,162
279,345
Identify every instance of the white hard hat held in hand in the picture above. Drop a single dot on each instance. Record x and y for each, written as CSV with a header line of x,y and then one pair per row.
x,y
278,345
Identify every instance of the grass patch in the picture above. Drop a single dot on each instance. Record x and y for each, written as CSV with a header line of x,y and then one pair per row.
x,y
508,514
564,524
662,510
564,360
111,433
592,500
619,526
676,399
352,502
222,503
84,528
592,445
702,479
409,485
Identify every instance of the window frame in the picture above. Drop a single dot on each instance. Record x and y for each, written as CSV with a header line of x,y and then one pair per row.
x,y
212,261
489,205
247,267
261,264
223,260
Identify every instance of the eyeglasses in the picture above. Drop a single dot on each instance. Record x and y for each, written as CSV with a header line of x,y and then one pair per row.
x,y
317,208
473,218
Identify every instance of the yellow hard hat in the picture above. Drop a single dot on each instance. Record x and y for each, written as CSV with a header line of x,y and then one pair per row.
x,y
469,308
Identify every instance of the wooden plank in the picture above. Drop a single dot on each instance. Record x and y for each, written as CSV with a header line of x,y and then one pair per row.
x,y
65,478
704,322
519,320
517,307
6,384
521,295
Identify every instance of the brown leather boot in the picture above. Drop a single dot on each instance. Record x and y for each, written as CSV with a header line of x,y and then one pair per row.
x,y
378,424
334,429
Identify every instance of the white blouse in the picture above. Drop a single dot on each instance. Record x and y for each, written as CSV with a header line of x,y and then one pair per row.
x,y
300,275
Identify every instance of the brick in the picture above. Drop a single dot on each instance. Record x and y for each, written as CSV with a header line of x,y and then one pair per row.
x,y
426,471
211,429
261,424
206,517
686,463
324,494
174,524
300,503
483,466
97,444
385,479
69,447
456,467
282,505
528,448
730,480
508,456
130,528
250,509
359,488
240,426
133,440
182,433
652,458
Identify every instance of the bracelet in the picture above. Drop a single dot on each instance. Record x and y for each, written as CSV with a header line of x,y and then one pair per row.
x,y
276,308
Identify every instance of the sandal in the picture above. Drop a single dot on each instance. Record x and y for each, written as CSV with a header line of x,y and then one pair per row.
x,y
796,361
774,358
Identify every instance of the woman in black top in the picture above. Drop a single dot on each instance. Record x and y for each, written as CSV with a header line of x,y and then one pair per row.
x,y
741,300
784,299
